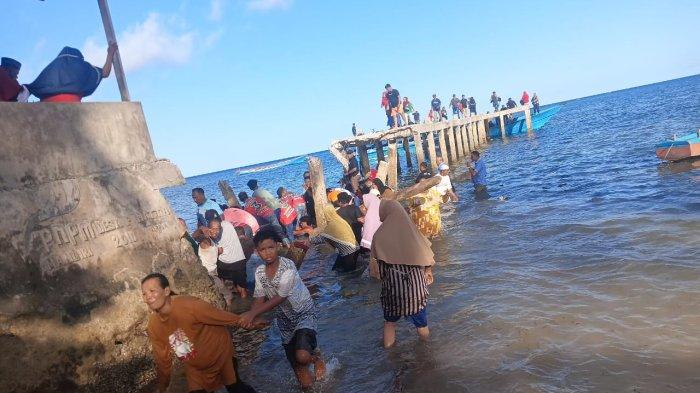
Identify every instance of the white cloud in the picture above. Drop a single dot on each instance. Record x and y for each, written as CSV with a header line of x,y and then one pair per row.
x,y
212,38
147,43
267,5
217,10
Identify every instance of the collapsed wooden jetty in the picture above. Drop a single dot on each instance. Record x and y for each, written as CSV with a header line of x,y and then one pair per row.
x,y
455,139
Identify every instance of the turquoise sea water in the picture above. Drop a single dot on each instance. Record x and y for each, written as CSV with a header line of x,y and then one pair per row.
x,y
585,279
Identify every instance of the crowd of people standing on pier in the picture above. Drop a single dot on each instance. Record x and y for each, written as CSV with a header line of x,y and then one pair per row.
x,y
400,111
256,245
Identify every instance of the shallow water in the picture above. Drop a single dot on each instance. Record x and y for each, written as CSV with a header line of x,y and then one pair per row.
x,y
585,279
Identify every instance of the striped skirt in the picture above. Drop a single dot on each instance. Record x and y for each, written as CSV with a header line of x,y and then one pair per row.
x,y
404,291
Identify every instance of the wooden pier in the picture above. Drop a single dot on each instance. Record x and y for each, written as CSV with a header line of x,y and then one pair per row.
x,y
455,139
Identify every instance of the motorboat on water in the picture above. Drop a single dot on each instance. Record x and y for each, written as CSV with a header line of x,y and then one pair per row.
x,y
517,125
679,148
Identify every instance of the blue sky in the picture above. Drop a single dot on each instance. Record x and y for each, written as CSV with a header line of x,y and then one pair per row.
x,y
225,83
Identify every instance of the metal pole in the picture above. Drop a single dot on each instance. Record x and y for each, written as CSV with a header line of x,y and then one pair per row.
x,y
117,61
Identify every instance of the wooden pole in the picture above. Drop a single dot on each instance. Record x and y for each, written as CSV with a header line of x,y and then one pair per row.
x,y
318,184
418,143
382,171
453,144
431,150
481,129
465,138
407,152
379,150
364,158
443,145
528,118
459,141
229,194
502,123
392,175
117,60
475,141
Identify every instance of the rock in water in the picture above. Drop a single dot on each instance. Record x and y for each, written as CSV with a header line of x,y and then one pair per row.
x,y
81,222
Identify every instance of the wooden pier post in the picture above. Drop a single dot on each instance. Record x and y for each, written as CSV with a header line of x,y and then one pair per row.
x,y
503,126
465,138
470,136
528,118
364,158
418,144
431,150
382,171
392,170
443,145
318,186
407,152
379,150
229,194
459,140
453,144
481,129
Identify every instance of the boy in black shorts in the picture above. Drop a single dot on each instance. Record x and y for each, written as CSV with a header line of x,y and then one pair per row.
x,y
278,287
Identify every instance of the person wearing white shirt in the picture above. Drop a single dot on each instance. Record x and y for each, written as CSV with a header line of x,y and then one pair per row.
x,y
231,262
445,185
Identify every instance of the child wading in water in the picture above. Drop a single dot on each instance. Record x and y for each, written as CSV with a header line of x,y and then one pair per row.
x,y
279,287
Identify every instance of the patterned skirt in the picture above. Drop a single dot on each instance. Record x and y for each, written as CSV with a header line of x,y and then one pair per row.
x,y
404,291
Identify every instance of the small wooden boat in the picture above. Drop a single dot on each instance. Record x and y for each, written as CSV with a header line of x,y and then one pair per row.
x,y
517,125
676,149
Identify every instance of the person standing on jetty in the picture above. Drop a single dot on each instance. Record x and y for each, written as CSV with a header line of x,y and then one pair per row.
x,y
402,260
69,78
535,103
10,89
394,99
525,99
203,204
477,170
435,106
354,130
196,332
464,102
495,100
510,104
279,287
454,104
472,106
408,109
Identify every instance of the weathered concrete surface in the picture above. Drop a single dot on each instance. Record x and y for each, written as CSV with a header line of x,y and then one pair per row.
x,y
81,222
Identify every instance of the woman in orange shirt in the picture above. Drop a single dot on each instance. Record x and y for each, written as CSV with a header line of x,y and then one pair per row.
x,y
196,332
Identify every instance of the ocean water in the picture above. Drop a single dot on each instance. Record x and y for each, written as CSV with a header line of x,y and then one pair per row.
x,y
587,278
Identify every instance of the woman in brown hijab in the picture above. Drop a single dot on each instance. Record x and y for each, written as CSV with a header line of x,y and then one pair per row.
x,y
402,260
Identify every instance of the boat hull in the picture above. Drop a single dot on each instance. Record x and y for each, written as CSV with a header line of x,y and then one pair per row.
x,y
683,148
518,126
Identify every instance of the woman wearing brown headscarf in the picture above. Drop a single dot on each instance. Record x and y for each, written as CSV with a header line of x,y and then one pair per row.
x,y
402,260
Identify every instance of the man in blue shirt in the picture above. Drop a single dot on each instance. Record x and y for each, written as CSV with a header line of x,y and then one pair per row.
x,y
203,204
478,173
